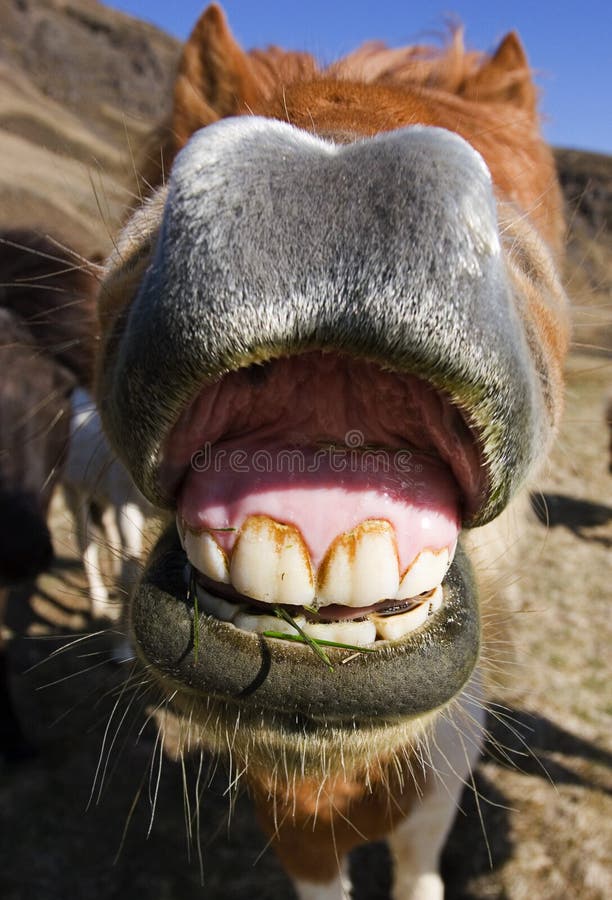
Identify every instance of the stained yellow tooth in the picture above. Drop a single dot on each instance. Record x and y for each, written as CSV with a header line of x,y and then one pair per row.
x,y
270,562
393,628
360,567
361,634
425,573
206,555
436,599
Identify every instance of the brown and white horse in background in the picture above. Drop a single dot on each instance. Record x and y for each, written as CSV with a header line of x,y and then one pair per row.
x,y
50,434
47,326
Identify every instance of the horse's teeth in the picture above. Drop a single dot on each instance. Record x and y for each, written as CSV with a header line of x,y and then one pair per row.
x,y
358,633
259,624
216,606
270,562
360,567
425,573
206,555
436,599
392,628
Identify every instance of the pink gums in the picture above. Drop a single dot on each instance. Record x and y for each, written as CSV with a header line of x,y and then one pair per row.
x,y
418,496
290,440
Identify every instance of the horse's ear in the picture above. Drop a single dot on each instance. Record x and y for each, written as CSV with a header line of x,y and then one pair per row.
x,y
505,77
215,77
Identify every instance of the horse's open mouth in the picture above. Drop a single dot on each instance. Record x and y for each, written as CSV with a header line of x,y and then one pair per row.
x,y
323,371
319,503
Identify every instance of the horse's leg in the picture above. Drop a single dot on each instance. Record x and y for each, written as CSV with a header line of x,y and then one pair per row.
x,y
131,523
88,549
417,842
113,538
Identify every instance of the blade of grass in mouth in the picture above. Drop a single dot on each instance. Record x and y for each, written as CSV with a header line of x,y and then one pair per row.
x,y
316,644
321,642
283,614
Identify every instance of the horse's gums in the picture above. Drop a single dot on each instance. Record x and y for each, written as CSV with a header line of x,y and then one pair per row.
x,y
382,242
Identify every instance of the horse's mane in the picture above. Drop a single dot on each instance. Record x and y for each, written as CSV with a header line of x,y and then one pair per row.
x,y
52,294
450,68
446,67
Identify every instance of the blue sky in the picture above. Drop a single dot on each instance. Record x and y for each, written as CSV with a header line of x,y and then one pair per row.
x,y
568,44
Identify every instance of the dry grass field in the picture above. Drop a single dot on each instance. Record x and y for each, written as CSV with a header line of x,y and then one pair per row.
x,y
101,813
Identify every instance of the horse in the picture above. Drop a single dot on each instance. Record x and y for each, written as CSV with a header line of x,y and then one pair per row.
x,y
97,486
332,344
47,318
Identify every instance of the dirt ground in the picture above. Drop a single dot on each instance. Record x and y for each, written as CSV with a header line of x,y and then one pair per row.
x,y
80,821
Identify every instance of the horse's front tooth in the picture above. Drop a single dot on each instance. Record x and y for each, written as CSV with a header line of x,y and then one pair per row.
x,y
360,634
360,567
426,572
393,628
216,606
270,562
206,555
435,601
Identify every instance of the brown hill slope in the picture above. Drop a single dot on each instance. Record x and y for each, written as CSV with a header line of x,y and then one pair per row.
x,y
80,84
99,63
587,185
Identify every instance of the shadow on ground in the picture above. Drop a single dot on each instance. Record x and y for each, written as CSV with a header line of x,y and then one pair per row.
x,y
578,516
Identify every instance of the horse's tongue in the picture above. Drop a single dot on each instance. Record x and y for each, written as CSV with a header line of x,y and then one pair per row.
x,y
376,510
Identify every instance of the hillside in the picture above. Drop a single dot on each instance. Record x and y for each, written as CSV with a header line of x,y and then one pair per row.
x,y
80,84
586,179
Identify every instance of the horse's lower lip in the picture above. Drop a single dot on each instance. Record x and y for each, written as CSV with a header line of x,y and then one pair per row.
x,y
406,679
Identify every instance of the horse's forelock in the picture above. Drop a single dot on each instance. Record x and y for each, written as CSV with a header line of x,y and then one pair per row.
x,y
445,67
